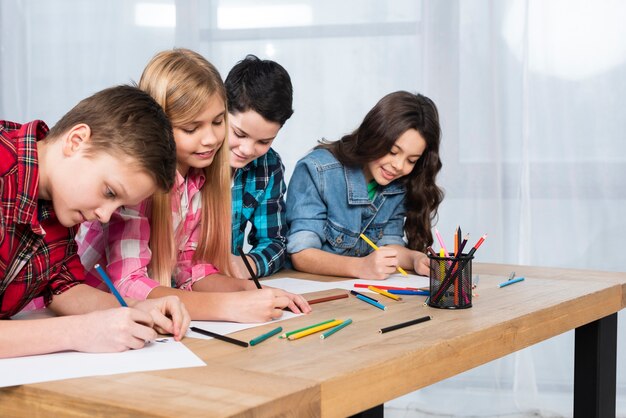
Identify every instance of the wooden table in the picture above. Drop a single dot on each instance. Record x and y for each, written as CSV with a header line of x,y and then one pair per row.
x,y
358,369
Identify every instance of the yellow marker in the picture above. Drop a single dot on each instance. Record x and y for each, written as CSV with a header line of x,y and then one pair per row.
x,y
314,330
375,247
384,293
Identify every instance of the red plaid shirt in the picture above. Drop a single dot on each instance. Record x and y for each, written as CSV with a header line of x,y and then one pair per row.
x,y
37,254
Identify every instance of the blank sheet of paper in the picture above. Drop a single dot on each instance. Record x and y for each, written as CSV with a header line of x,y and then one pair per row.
x,y
166,354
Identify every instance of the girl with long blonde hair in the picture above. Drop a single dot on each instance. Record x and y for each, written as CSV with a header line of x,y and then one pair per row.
x,y
178,242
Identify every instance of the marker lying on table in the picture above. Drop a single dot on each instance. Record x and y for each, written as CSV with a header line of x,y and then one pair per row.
x,y
404,324
375,247
508,282
219,336
109,283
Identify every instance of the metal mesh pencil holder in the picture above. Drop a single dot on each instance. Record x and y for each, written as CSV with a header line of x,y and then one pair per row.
x,y
450,282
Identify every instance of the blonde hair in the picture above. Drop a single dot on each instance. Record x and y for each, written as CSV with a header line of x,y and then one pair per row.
x,y
183,83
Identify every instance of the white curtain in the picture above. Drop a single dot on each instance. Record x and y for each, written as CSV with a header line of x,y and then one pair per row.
x,y
531,96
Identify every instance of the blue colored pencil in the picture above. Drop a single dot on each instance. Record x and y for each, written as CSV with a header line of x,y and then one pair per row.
x,y
109,283
371,302
409,292
508,282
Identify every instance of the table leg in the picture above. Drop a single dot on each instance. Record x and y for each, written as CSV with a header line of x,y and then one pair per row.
x,y
595,360
375,412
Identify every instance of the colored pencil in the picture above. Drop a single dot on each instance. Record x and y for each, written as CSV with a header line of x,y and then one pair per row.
x,y
287,334
375,247
371,302
443,246
384,293
219,336
249,267
109,283
265,336
364,285
432,252
355,293
314,330
453,271
337,328
409,292
404,324
508,282
327,298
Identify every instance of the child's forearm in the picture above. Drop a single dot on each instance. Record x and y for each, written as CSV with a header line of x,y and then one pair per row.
x,y
82,299
39,336
201,305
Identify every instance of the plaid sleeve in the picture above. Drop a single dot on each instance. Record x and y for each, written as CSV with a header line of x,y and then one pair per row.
x,y
269,228
188,271
128,253
70,274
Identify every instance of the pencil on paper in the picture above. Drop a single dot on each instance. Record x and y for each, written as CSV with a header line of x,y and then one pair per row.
x,y
219,336
404,324
249,267
375,247
337,328
109,283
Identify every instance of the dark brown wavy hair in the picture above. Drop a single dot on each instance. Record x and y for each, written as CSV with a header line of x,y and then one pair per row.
x,y
392,116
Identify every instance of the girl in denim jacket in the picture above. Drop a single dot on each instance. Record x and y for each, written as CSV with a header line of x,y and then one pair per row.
x,y
378,181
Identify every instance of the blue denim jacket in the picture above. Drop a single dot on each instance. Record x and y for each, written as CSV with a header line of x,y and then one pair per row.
x,y
328,208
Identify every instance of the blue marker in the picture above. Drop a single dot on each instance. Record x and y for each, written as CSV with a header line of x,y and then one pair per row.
x,y
107,281
508,282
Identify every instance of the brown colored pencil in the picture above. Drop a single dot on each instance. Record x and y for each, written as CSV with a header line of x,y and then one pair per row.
x,y
327,298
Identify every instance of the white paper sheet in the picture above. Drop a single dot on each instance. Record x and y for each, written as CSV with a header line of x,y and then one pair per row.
x,y
164,354
301,286
396,280
229,327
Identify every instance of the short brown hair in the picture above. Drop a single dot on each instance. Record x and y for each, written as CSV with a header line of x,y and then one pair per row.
x,y
126,121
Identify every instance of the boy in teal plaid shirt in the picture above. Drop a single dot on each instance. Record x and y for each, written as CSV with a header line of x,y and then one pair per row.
x,y
260,98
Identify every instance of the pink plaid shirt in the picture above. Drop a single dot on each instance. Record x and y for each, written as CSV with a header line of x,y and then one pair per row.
x,y
122,244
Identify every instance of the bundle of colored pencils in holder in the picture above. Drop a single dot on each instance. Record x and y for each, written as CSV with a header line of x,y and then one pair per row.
x,y
452,276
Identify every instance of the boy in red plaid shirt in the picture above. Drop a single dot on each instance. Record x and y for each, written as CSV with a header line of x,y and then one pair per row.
x,y
114,148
